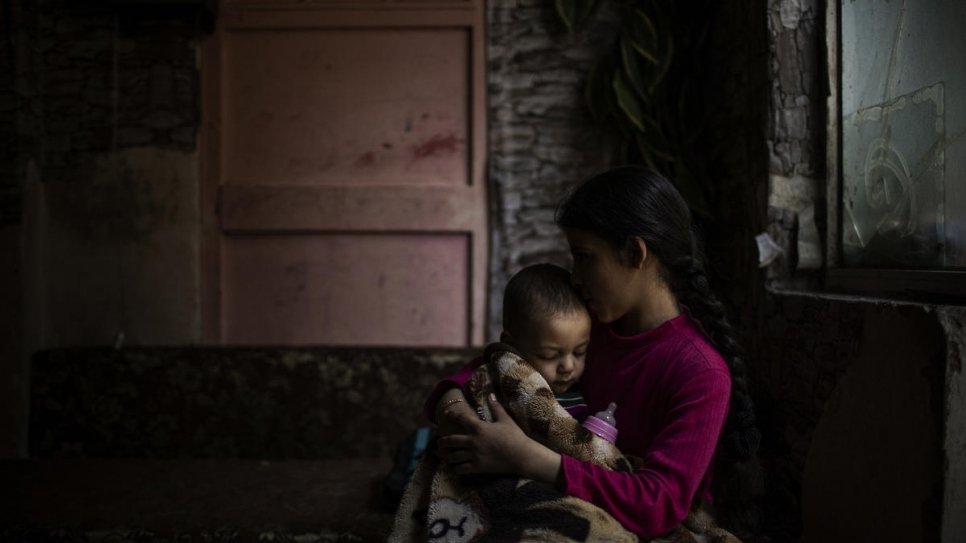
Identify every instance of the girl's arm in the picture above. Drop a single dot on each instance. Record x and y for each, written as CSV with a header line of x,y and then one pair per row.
x,y
658,496
651,501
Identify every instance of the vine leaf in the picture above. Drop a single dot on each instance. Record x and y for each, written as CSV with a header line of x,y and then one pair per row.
x,y
628,101
643,36
645,91
632,68
573,13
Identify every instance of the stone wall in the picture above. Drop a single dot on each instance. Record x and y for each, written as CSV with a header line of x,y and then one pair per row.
x,y
112,81
796,139
541,138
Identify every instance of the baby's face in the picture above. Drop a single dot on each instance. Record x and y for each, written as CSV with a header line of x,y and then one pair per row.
x,y
556,348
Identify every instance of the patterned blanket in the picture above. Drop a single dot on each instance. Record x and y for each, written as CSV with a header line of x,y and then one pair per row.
x,y
439,505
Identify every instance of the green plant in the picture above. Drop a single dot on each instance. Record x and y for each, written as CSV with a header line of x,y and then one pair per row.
x,y
646,88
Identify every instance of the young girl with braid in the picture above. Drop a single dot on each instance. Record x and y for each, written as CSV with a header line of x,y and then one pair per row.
x,y
660,348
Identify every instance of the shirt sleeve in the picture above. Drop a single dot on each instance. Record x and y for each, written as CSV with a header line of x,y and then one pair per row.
x,y
457,380
657,497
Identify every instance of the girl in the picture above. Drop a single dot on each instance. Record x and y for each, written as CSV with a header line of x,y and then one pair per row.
x,y
660,348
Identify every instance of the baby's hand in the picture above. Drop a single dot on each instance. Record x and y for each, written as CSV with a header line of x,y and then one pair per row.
x,y
452,403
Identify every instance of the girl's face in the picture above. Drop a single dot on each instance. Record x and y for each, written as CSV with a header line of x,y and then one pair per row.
x,y
607,284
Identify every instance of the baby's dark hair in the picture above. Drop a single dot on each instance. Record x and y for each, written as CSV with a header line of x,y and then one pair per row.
x,y
634,201
535,293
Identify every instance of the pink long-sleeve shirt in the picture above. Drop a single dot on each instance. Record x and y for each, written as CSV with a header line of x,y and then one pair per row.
x,y
672,391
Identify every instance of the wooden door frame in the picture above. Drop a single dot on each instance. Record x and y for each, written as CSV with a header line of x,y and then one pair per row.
x,y
466,14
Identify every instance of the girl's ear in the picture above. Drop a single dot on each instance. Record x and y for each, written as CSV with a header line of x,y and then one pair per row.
x,y
635,251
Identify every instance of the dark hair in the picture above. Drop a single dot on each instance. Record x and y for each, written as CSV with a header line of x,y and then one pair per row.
x,y
537,292
635,201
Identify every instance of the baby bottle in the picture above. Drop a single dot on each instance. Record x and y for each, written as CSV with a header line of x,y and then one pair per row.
x,y
603,423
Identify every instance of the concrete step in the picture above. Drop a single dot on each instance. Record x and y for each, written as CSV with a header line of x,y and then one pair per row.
x,y
192,500
222,402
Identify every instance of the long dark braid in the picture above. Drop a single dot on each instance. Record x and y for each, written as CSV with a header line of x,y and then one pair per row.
x,y
689,283
635,201
738,482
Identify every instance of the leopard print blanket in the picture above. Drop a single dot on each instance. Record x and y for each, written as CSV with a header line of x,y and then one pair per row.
x,y
439,505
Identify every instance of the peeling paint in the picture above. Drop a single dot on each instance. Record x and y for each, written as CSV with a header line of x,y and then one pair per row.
x,y
438,145
365,159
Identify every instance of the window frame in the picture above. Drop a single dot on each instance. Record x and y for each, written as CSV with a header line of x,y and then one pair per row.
x,y
936,286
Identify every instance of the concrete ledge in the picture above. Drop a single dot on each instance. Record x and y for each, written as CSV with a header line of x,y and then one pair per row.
x,y
254,403
224,500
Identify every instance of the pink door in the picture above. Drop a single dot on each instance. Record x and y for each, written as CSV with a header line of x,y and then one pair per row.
x,y
344,174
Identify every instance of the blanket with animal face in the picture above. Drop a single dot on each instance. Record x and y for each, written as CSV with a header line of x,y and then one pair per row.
x,y
439,505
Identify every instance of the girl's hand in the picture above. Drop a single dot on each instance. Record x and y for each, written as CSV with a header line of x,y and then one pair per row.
x,y
496,447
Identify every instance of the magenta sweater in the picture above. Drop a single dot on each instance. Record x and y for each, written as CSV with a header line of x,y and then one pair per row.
x,y
672,390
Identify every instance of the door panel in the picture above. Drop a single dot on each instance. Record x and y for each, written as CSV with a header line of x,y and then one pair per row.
x,y
344,174
361,106
332,289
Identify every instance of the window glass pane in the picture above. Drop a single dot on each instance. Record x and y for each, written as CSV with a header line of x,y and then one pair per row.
x,y
903,121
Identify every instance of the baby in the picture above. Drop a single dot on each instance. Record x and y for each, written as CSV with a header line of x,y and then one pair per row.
x,y
547,323
546,329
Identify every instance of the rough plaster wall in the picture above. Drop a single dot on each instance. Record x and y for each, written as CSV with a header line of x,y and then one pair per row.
x,y
11,32
117,205
806,345
849,390
13,391
98,198
121,252
881,430
954,491
20,125
541,140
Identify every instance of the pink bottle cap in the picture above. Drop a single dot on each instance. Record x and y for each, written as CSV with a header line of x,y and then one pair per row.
x,y
603,423
601,428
